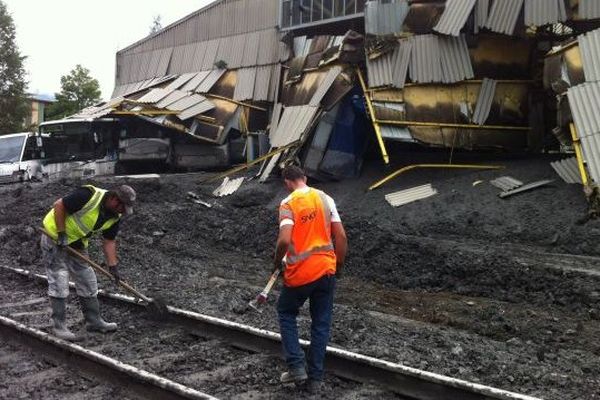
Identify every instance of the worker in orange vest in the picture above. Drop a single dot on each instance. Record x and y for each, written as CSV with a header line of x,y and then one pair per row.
x,y
312,247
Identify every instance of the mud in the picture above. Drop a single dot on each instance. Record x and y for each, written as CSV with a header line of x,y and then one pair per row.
x,y
464,283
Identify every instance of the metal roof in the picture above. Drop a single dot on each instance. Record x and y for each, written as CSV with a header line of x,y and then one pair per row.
x,y
171,98
379,70
401,60
196,80
406,196
180,81
485,99
218,19
197,109
506,183
589,46
384,19
504,15
244,87
454,17
262,82
186,102
425,66
542,12
294,123
482,9
251,49
589,9
398,133
455,58
324,85
210,80
154,95
584,101
228,187
568,170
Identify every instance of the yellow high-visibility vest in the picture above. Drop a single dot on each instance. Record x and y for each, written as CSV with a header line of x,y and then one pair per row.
x,y
80,225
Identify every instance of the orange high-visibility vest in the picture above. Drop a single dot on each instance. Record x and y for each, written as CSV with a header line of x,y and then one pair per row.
x,y
310,254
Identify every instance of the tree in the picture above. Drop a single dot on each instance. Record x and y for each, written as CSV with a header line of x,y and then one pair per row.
x,y
13,100
156,25
78,91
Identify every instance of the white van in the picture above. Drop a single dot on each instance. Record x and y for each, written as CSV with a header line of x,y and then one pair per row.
x,y
20,157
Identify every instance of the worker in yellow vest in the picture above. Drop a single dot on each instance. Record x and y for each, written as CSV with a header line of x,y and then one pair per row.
x,y
72,220
312,246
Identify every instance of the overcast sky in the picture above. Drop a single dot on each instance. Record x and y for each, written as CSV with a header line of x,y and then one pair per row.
x,y
56,35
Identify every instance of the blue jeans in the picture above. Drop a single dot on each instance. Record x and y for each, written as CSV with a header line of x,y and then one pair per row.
x,y
320,293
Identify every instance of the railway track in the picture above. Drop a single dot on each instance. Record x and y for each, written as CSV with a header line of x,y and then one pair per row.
x,y
195,356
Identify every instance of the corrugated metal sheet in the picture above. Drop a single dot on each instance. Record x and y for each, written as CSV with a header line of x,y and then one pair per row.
x,y
589,9
299,46
584,101
193,83
542,12
275,117
274,84
165,59
484,101
384,19
244,87
210,55
398,133
186,102
425,65
402,57
320,140
251,50
180,81
455,58
154,96
454,17
196,109
268,51
503,16
379,70
506,183
175,67
589,46
482,10
568,170
228,187
294,123
171,98
187,64
406,196
524,188
262,82
210,80
324,85
218,19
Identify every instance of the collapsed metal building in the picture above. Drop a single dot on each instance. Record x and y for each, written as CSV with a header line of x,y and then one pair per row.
x,y
315,80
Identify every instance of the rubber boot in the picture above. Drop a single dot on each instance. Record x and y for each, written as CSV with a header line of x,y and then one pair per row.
x,y
59,320
93,320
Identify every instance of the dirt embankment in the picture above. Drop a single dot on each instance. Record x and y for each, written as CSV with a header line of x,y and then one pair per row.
x,y
448,284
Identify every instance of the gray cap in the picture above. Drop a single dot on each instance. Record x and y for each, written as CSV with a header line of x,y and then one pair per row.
x,y
127,195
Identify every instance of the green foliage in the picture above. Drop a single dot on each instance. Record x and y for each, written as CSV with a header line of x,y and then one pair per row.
x,y
78,91
156,25
13,101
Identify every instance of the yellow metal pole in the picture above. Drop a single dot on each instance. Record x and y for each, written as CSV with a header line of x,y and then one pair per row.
x,y
384,153
450,125
579,154
415,166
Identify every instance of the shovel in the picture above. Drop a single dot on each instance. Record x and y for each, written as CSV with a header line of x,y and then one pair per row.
x,y
155,307
262,296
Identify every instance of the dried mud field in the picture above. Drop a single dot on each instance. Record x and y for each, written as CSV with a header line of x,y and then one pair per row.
x,y
505,292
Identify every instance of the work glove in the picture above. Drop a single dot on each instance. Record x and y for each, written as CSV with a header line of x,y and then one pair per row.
x,y
114,270
62,240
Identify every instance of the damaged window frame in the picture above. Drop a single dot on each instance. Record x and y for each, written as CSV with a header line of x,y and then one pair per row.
x,y
302,13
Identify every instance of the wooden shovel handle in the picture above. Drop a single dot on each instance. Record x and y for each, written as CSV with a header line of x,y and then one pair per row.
x,y
99,268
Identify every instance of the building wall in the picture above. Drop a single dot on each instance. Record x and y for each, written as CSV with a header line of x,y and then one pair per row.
x,y
224,30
